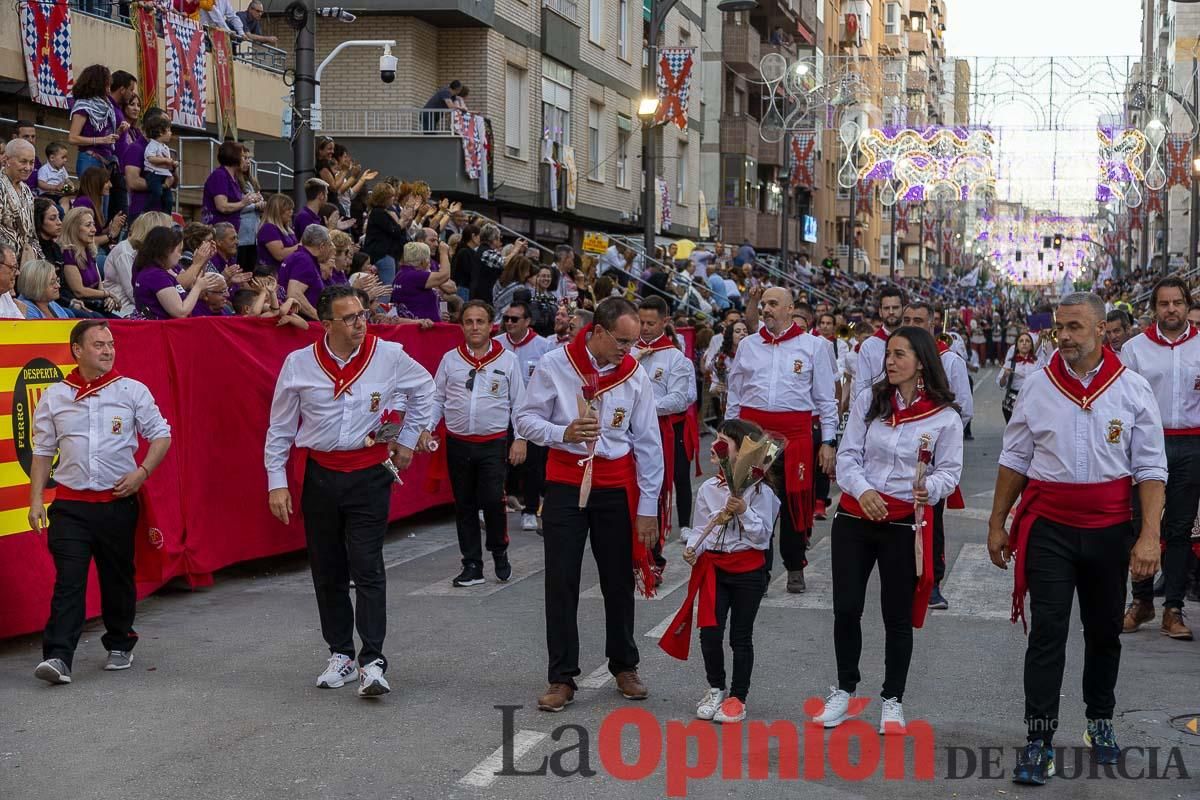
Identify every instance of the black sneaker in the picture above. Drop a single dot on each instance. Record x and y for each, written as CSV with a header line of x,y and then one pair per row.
x,y
471,575
503,568
1035,764
1102,740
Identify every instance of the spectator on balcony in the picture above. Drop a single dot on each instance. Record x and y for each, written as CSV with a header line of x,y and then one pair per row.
x,y
441,100
94,122
38,290
466,260
95,191
460,100
300,274
9,270
252,24
345,178
159,165
386,233
331,218
223,198
214,301
250,217
225,255
47,221
276,238
157,293
220,14
24,129
513,282
80,270
118,269
131,154
16,201
316,194
777,37
491,264
415,290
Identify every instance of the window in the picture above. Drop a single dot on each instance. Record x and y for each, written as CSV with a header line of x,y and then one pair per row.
x,y
917,62
595,15
556,107
918,22
623,30
681,173
516,116
624,129
891,19
595,146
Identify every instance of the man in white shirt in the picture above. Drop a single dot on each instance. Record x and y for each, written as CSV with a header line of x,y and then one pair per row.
x,y
869,366
9,308
526,479
603,477
1083,431
92,420
222,16
477,388
564,265
1167,355
338,398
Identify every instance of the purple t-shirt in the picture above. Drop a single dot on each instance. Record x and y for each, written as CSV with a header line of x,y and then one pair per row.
x,y
220,182
131,151
338,277
305,217
202,310
31,181
269,232
104,152
411,297
89,273
146,287
302,266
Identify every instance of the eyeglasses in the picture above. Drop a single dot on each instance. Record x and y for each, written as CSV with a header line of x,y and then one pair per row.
x,y
350,320
508,318
470,384
624,344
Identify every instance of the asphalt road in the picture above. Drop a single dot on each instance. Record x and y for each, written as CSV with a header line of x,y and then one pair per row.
x,y
220,702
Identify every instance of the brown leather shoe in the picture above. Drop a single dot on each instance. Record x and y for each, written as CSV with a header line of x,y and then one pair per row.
x,y
1139,611
630,685
556,697
1174,626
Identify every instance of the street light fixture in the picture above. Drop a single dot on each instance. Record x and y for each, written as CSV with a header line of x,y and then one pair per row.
x,y
648,107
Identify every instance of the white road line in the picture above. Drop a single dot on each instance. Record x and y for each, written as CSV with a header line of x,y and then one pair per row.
x,y
990,493
598,678
818,582
526,562
975,588
484,773
969,513
677,576
412,548
658,630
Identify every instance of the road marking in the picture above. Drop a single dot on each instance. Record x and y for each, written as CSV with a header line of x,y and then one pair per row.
x,y
818,582
969,513
658,630
598,678
412,548
676,577
526,562
989,493
975,588
484,773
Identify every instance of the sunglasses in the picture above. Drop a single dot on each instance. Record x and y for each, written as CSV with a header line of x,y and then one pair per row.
x,y
508,318
470,384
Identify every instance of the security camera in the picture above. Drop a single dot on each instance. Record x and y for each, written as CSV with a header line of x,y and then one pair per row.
x,y
387,66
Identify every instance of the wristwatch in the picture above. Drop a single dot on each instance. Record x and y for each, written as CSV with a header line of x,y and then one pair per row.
x,y
830,442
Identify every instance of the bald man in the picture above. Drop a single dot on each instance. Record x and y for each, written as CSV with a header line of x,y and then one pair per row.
x,y
779,379
16,201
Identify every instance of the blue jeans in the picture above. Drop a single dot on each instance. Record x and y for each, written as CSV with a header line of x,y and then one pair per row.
x,y
86,160
161,197
386,267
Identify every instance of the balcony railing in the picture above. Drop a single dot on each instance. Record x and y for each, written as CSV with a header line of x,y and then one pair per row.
x,y
564,8
380,122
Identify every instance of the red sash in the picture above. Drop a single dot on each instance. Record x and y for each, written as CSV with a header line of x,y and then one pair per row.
x,y
344,377
84,495
691,446
1070,386
942,347
1080,505
619,473
351,460
920,409
85,388
1153,335
790,333
897,509
677,640
796,428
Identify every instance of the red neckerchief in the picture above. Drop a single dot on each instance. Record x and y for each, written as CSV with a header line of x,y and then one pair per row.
x,y
881,334
942,347
1029,359
578,355
344,377
563,337
491,355
790,333
832,339
663,342
1153,335
85,388
1110,369
920,408
529,337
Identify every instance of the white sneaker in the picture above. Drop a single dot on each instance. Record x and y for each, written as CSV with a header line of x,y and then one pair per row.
x,y
514,504
732,710
892,718
371,682
710,704
481,520
837,704
529,522
340,669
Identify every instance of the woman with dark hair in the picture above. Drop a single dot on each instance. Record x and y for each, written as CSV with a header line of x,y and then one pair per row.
x,y
386,233
94,186
250,217
47,221
516,273
94,129
907,418
156,292
131,154
223,198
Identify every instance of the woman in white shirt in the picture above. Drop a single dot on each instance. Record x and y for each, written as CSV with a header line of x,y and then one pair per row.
x,y
876,469
1020,361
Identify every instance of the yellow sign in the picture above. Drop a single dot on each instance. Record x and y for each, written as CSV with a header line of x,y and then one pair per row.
x,y
594,242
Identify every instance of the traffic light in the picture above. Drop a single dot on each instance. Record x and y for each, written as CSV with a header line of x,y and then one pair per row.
x,y
1058,241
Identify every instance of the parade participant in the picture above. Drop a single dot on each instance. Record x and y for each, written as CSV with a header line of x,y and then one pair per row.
x,y
674,380
729,574
528,478
329,398
1020,362
614,449
92,419
1083,430
580,319
827,329
1118,328
920,314
562,326
1167,355
779,378
910,410
868,368
477,388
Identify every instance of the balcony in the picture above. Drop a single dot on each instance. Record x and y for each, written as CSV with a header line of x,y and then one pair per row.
x,y
739,135
918,7
439,13
788,51
741,47
739,223
918,80
560,31
897,42
808,18
770,155
918,41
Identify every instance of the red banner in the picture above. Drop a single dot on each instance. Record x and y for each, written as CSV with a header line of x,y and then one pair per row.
x,y
222,53
143,26
864,201
207,502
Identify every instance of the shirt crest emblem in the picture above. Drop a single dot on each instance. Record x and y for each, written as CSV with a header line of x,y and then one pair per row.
x,y
658,373
116,425
1196,384
376,398
618,417
797,366
1115,427
495,388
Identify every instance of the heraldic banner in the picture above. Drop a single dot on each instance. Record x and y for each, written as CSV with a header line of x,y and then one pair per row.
x,y
187,76
222,51
143,25
46,40
674,85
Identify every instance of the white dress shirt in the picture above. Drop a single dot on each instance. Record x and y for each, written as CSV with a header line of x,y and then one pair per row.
x,y
795,375
868,367
673,378
529,354
627,420
304,396
222,15
1050,438
1021,370
118,276
749,531
488,407
960,384
1173,374
883,457
96,437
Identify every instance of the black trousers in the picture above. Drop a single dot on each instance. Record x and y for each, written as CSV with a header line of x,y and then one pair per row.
x,y
939,541
738,597
855,546
477,480
681,483
528,480
793,542
821,482
80,532
345,520
1183,487
565,529
1061,561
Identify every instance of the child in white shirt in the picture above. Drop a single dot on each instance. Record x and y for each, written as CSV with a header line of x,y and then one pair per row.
x,y
52,176
159,166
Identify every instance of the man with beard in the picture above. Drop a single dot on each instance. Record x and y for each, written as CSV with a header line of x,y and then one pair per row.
x,y
1167,355
562,327
1118,328
869,368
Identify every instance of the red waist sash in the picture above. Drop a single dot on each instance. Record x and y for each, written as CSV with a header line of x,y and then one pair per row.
x,y
677,640
84,495
1080,505
351,460
796,428
477,438
897,509
1181,431
691,439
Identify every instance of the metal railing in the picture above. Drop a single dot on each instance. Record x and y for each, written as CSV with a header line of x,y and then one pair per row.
x,y
259,169
564,8
378,122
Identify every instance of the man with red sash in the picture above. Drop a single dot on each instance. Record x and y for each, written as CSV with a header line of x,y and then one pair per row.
x,y
1167,355
1082,432
779,378
477,388
331,399
674,380
609,461
92,420
869,367
526,478
920,314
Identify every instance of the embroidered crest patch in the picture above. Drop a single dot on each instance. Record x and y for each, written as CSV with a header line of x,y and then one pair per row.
x,y
1115,427
618,417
